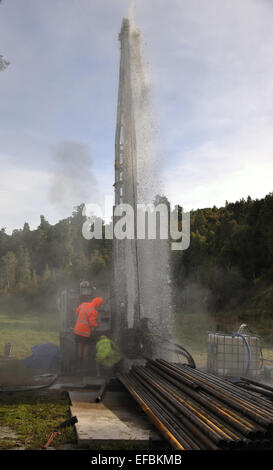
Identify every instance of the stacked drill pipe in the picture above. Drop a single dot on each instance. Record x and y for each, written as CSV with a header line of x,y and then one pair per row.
x,y
257,387
195,410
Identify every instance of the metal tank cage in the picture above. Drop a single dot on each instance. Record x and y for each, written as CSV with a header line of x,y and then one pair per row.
x,y
227,355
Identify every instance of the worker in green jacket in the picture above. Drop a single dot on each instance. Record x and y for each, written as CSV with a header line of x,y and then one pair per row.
x,y
108,354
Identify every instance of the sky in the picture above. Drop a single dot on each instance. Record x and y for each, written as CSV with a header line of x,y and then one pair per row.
x,y
210,65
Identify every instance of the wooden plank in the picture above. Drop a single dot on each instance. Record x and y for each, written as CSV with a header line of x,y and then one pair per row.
x,y
116,419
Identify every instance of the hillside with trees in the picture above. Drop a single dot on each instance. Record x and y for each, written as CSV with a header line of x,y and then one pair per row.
x,y
231,253
37,263
230,259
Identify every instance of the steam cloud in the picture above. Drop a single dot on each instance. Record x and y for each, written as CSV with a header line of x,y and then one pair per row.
x,y
73,181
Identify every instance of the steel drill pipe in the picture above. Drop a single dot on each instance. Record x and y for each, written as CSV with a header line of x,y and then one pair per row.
x,y
259,384
208,443
243,404
235,392
101,391
155,420
202,384
234,388
192,431
229,385
214,423
166,418
202,441
191,426
256,389
204,398
260,410
196,410
244,425
214,433
258,404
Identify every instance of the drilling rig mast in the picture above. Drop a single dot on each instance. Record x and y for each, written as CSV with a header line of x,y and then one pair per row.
x,y
126,275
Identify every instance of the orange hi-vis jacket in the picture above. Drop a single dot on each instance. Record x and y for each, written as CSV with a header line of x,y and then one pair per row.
x,y
87,317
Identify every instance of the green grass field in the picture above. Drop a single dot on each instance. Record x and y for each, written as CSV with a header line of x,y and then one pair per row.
x,y
27,419
24,331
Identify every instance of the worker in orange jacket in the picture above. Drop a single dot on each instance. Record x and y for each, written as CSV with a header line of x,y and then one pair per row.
x,y
87,313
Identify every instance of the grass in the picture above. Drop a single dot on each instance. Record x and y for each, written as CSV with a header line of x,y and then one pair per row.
x,y
32,417
24,331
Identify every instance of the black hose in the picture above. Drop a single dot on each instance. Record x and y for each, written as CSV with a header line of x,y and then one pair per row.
x,y
183,351
186,354
191,361
30,388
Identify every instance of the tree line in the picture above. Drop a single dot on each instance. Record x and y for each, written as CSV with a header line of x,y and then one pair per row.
x,y
34,261
231,247
231,250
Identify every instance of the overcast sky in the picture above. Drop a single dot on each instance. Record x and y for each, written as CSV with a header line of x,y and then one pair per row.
x,y
211,69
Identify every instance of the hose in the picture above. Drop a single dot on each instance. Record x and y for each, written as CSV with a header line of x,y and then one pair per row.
x,y
240,330
186,353
248,352
30,388
182,351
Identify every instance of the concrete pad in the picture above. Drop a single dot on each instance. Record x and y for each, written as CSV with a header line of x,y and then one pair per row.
x,y
116,419
94,382
74,382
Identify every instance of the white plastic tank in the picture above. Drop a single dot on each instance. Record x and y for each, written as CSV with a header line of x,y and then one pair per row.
x,y
229,356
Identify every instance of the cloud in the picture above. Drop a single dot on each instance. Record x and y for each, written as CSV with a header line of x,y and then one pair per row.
x,y
211,68
213,94
230,169
22,195
24,192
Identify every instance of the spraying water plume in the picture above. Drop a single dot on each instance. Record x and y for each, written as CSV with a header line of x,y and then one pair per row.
x,y
131,11
141,267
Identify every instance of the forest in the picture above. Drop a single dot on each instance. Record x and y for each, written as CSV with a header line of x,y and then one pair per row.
x,y
231,251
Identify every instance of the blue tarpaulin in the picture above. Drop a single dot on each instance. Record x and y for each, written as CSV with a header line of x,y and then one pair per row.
x,y
44,356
